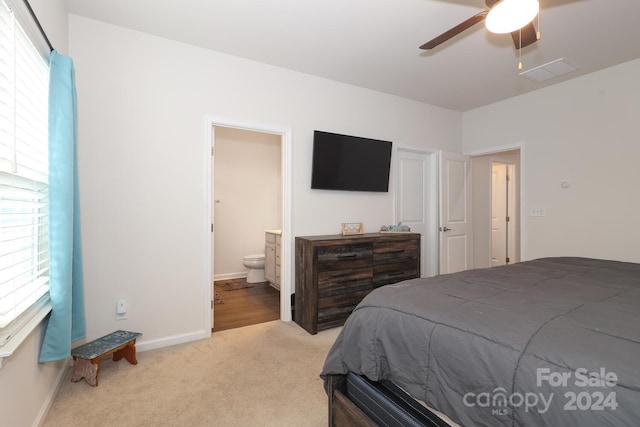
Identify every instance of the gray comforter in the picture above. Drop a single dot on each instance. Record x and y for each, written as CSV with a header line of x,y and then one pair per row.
x,y
549,342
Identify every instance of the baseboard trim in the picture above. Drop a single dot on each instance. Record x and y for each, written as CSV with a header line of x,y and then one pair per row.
x,y
172,340
228,276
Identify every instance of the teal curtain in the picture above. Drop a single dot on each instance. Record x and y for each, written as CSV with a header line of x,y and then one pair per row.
x,y
66,323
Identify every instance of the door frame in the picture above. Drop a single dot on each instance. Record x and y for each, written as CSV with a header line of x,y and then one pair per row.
x,y
286,249
523,199
430,260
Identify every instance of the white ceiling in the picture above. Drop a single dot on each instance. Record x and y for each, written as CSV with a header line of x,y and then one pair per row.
x,y
374,43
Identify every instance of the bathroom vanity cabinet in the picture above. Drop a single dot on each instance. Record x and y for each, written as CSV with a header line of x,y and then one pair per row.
x,y
272,258
334,273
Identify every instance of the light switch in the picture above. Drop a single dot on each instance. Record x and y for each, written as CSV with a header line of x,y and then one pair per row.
x,y
538,211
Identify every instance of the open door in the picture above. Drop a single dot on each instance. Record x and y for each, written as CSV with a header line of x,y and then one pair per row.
x,y
416,202
503,214
499,214
456,245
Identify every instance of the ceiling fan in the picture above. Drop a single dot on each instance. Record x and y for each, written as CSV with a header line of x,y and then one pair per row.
x,y
503,16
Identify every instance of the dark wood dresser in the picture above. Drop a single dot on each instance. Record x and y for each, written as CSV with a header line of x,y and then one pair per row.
x,y
334,273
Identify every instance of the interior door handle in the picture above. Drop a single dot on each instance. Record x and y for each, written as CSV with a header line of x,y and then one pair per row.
x,y
445,229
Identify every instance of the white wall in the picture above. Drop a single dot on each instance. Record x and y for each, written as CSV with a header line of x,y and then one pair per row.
x,y
584,131
27,387
142,105
247,184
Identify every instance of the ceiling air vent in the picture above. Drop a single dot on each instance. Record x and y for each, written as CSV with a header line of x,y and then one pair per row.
x,y
549,70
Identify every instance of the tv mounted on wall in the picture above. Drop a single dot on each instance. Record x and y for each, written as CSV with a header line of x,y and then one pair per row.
x,y
350,163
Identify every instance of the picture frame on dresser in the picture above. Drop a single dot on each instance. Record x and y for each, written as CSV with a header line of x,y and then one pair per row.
x,y
351,228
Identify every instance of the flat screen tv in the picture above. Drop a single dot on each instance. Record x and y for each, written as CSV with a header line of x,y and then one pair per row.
x,y
350,163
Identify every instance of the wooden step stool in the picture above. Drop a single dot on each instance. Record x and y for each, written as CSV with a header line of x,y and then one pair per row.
x,y
87,356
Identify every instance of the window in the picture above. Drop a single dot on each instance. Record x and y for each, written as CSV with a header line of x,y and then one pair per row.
x,y
24,230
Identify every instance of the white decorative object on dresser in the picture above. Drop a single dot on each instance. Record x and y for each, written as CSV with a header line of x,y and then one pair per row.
x,y
272,257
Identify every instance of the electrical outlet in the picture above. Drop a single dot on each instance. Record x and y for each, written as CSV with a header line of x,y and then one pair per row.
x,y
121,309
121,306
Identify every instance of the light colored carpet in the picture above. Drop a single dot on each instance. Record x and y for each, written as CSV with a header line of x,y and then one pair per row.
x,y
260,375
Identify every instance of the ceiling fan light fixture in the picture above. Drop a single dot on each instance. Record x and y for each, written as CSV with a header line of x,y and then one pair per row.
x,y
507,16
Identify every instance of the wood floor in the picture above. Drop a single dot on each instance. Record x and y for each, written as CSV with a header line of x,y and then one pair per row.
x,y
244,307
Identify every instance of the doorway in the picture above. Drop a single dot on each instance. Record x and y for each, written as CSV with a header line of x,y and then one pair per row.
x,y
497,221
246,202
283,136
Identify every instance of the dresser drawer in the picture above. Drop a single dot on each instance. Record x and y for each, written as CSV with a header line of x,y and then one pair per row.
x,y
395,252
333,317
350,299
391,273
394,261
333,282
334,310
344,257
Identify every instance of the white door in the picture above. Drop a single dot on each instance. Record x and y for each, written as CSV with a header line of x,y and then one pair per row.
x,y
499,214
512,215
456,245
416,203
504,217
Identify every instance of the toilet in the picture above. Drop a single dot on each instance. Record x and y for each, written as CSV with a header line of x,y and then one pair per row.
x,y
255,264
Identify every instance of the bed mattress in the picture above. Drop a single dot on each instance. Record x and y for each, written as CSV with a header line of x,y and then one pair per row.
x,y
549,342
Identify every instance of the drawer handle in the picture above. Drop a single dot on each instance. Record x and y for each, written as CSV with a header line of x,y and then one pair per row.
x,y
397,273
347,256
397,251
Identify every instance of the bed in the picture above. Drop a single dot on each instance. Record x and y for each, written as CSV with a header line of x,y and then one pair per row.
x,y
548,342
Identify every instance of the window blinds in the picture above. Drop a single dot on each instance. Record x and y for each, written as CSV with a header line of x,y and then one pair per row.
x,y
24,245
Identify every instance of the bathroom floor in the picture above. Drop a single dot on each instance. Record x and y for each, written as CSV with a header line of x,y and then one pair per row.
x,y
245,306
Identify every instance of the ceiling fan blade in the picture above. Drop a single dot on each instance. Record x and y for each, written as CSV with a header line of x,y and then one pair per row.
x,y
529,36
455,30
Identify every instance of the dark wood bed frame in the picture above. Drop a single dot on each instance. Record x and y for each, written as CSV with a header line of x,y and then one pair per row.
x,y
344,413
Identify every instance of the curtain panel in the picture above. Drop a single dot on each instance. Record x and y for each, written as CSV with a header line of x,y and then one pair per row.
x,y
66,323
